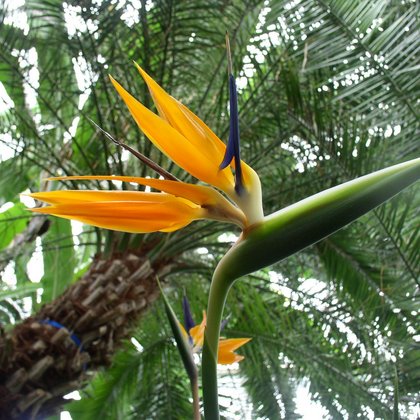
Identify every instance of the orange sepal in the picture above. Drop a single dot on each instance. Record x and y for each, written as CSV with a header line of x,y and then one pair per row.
x,y
182,150
198,194
216,205
185,121
226,350
197,332
90,196
128,216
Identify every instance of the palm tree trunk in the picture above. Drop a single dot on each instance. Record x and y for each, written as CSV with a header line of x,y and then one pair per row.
x,y
54,351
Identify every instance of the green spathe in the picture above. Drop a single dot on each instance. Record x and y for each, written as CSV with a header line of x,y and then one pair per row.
x,y
182,343
302,224
185,352
286,232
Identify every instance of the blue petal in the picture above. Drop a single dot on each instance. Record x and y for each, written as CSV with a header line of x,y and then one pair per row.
x,y
233,146
188,319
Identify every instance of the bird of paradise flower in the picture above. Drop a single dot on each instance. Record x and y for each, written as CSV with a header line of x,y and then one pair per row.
x,y
195,335
191,144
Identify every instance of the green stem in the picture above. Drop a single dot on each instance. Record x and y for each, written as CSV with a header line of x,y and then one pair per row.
x,y
218,293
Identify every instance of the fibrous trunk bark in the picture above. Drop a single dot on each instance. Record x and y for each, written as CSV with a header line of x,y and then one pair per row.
x,y
56,350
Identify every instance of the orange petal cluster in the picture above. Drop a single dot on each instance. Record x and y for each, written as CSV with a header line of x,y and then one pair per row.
x,y
185,139
176,206
227,347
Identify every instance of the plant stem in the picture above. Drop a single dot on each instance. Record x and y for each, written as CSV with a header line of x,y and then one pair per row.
x,y
218,293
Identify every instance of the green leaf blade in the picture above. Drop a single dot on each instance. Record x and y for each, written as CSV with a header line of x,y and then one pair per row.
x,y
59,258
12,222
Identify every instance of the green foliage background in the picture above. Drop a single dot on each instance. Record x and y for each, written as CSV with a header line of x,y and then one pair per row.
x,y
329,91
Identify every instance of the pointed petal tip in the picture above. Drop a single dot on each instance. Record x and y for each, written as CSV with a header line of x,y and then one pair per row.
x,y
149,80
235,343
36,196
138,67
116,85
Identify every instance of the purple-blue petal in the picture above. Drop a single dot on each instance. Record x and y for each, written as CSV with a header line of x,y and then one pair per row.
x,y
188,319
233,146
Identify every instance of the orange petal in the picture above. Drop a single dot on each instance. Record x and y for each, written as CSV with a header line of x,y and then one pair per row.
x,y
226,350
87,196
189,125
197,332
192,127
128,216
182,150
183,120
198,194
218,206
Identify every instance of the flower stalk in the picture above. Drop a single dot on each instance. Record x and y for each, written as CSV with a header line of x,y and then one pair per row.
x,y
219,290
